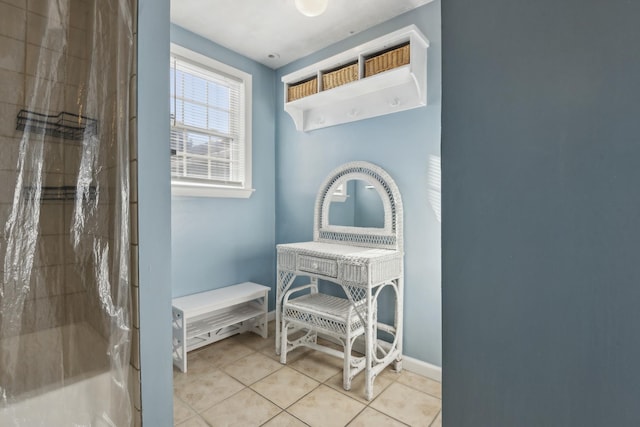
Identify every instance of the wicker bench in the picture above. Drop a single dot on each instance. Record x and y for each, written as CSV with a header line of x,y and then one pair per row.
x,y
206,317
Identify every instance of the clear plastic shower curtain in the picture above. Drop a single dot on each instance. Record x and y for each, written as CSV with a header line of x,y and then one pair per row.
x,y
65,315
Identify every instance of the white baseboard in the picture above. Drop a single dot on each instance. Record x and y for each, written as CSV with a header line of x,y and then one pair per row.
x,y
422,368
416,366
271,315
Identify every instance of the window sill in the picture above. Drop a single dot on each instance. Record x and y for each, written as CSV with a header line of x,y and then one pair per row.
x,y
190,190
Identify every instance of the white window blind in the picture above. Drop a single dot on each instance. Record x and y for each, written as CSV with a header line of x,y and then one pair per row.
x,y
207,126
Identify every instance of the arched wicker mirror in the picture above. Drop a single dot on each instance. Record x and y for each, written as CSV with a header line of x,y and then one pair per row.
x,y
385,232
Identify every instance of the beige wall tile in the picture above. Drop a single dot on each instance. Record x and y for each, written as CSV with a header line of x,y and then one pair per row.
x,y
8,178
12,58
44,95
12,21
46,32
78,43
72,157
52,179
17,3
40,7
79,14
78,278
75,307
12,87
53,157
77,70
41,61
48,281
50,251
50,312
9,150
51,218
74,98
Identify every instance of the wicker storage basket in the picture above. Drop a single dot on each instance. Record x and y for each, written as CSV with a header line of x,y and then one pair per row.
x,y
387,60
302,89
340,76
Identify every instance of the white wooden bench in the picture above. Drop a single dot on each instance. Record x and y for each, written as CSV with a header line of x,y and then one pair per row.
x,y
206,317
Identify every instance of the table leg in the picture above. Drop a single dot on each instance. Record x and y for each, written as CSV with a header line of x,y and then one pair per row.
x,y
398,322
285,279
370,342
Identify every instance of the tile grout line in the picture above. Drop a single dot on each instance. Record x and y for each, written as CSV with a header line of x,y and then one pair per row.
x,y
259,351
436,417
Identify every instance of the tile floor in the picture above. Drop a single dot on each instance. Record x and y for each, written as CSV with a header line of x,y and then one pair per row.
x,y
239,381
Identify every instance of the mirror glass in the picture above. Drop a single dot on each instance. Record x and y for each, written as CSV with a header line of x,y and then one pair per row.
x,y
356,204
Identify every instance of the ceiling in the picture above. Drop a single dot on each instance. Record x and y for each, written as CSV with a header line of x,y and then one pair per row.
x,y
273,32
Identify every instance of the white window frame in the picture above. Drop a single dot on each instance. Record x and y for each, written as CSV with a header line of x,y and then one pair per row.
x,y
192,189
340,195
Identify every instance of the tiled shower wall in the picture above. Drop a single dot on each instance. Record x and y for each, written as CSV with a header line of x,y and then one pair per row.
x,y
56,294
62,290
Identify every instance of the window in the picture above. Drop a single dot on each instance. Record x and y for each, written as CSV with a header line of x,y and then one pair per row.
x,y
210,127
340,194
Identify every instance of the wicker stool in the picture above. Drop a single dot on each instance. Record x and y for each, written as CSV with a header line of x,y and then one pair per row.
x,y
329,315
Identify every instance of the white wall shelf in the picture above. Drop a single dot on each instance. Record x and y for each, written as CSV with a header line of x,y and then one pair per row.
x,y
398,89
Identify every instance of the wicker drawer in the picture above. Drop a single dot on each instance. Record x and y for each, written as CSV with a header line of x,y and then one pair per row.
x,y
354,273
287,260
325,267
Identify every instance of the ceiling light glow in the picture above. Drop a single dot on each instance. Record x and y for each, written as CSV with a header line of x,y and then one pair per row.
x,y
311,7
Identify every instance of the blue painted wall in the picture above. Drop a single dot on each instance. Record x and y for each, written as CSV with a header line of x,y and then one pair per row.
x,y
190,244
541,227
154,214
401,143
217,242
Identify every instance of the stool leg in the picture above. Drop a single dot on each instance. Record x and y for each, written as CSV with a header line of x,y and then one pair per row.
x,y
346,370
283,342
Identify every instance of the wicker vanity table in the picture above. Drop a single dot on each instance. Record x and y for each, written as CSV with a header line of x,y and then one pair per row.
x,y
361,260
